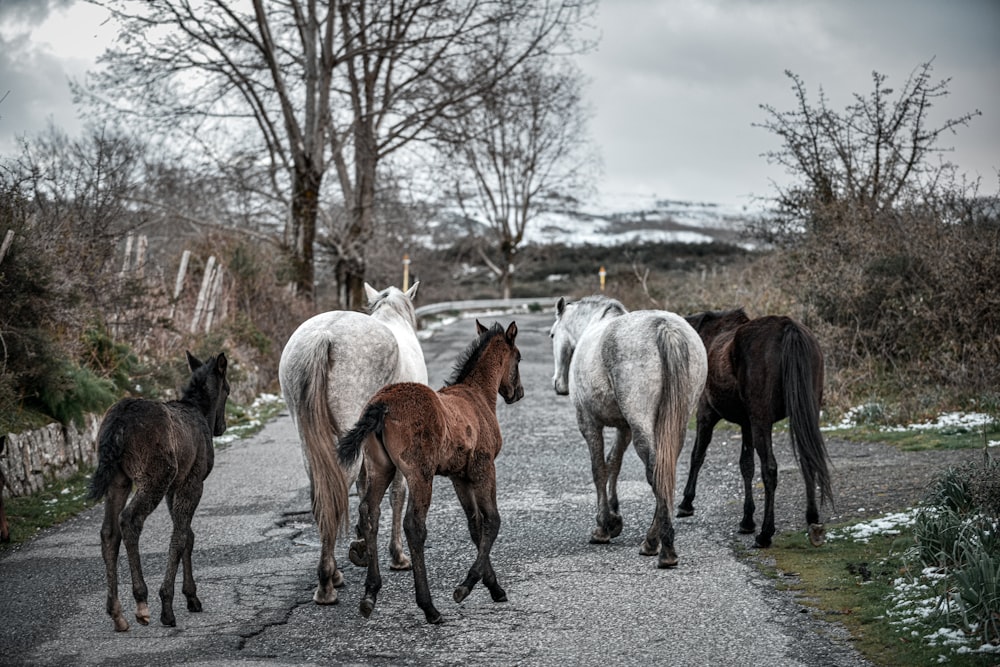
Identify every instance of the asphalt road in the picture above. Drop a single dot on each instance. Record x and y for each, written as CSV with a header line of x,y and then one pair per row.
x,y
570,602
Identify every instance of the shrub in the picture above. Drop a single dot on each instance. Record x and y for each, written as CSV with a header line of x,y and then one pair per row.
x,y
958,530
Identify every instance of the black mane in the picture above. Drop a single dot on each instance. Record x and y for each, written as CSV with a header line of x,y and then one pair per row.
x,y
470,357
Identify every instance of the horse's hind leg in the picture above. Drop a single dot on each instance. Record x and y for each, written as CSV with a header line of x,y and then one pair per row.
x,y
594,435
111,539
132,519
369,514
747,524
624,436
707,419
484,526
415,527
397,500
769,472
817,533
182,504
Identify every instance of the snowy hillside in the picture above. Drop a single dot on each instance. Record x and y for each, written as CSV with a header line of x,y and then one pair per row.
x,y
617,219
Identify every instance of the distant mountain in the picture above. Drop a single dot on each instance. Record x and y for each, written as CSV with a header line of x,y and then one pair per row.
x,y
614,220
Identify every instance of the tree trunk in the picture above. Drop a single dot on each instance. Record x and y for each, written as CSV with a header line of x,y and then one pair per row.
x,y
305,208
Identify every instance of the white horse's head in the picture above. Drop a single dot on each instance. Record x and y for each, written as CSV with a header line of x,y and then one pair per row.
x,y
392,300
572,319
563,345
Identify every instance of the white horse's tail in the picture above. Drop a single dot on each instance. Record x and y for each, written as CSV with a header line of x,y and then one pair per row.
x,y
673,409
317,426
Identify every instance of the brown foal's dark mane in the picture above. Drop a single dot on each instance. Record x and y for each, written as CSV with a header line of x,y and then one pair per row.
x,y
470,357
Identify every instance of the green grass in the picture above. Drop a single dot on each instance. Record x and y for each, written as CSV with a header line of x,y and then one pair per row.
x,y
852,583
57,502
916,440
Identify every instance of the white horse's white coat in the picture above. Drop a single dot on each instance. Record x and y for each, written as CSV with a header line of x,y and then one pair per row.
x,y
332,364
641,373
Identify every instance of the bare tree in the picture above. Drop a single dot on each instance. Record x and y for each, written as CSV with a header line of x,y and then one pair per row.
x,y
318,84
870,157
518,147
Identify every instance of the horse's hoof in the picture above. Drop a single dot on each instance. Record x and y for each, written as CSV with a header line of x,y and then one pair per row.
x,y
498,594
367,606
685,512
401,563
338,579
194,604
433,616
747,529
667,561
121,625
325,597
761,542
461,593
142,613
615,524
358,553
648,548
168,620
599,536
817,534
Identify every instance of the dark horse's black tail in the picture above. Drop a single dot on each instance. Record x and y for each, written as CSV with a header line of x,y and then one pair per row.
x,y
372,421
802,374
110,449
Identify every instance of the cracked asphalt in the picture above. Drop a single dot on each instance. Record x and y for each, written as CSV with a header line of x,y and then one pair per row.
x,y
570,602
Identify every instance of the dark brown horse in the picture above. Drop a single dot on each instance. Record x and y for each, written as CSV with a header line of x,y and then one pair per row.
x,y
453,433
759,372
161,449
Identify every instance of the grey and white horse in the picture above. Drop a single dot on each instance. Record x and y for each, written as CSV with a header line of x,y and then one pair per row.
x,y
332,364
642,374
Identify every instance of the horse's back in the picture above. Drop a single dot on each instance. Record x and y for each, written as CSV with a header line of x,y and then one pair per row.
x,y
151,438
760,350
357,354
624,358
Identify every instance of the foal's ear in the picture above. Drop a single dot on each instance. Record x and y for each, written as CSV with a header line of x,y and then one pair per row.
x,y
480,329
511,332
560,306
221,364
193,362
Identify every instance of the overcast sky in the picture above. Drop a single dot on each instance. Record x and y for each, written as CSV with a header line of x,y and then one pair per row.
x,y
675,84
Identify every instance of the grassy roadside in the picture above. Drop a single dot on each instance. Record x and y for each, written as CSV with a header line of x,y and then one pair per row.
x,y
874,577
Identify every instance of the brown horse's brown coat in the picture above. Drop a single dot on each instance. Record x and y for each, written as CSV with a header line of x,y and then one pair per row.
x,y
453,433
759,372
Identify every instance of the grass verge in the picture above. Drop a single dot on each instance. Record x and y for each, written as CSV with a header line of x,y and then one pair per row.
x,y
856,582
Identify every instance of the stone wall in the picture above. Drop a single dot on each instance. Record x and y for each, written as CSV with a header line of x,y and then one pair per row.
x,y
34,458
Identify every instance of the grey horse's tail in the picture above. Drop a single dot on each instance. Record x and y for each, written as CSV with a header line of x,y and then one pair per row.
x,y
798,375
674,410
317,426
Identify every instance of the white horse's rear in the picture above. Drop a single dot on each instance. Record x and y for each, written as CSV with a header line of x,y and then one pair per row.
x,y
332,364
642,374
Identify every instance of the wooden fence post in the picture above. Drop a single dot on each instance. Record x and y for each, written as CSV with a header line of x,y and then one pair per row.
x,y
206,283
179,282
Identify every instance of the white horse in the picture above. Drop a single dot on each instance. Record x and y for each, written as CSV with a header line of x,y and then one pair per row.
x,y
330,367
641,373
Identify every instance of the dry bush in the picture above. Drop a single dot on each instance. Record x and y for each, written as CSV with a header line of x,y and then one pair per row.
x,y
906,301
